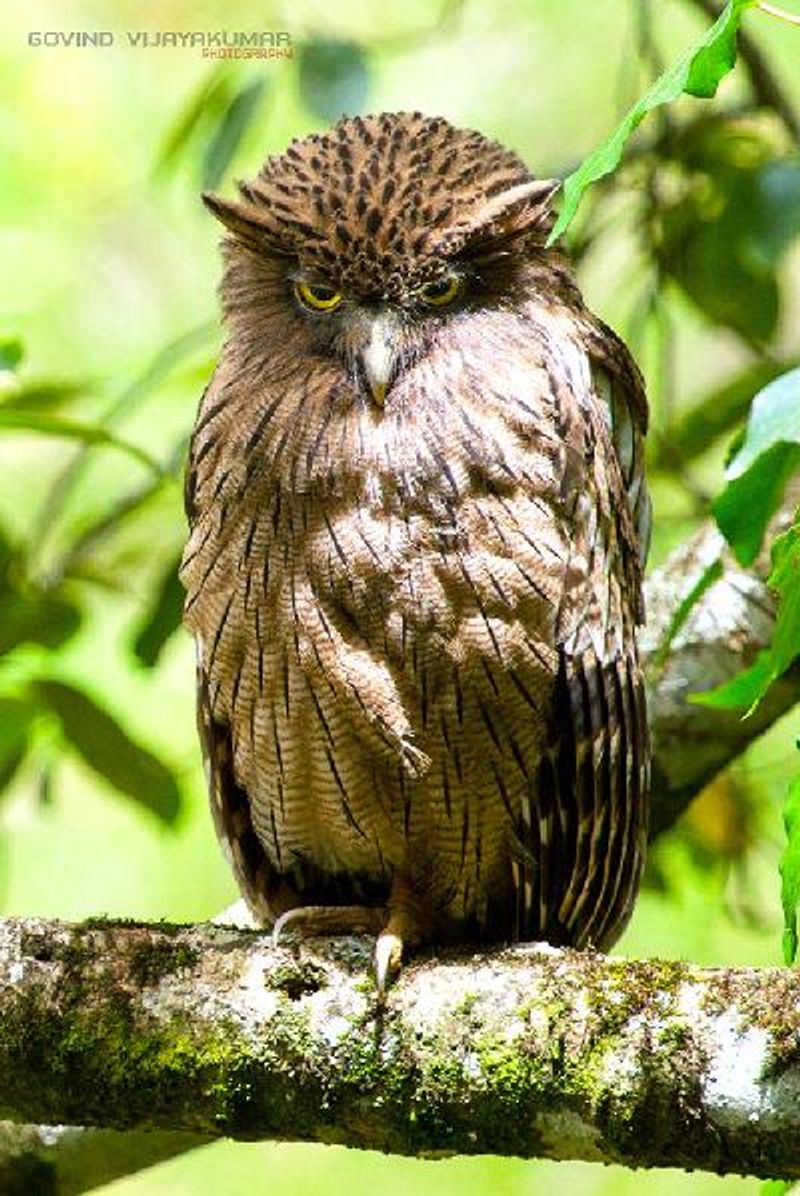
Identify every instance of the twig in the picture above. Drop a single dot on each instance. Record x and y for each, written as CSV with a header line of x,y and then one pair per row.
x,y
780,13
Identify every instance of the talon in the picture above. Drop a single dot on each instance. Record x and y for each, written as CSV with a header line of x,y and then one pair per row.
x,y
313,920
287,916
388,958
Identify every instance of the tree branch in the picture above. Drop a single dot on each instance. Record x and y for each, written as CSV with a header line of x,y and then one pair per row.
x,y
530,1051
722,635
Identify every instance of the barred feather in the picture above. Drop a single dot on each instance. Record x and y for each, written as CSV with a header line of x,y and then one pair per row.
x,y
416,625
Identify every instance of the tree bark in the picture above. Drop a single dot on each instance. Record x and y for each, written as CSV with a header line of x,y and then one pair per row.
x,y
524,1051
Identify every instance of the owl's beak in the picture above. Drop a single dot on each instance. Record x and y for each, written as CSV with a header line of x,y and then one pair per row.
x,y
379,355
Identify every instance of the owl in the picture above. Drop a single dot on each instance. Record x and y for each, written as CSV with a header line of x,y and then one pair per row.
x,y
418,520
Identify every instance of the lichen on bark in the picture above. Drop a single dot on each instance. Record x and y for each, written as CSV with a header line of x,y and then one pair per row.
x,y
525,1051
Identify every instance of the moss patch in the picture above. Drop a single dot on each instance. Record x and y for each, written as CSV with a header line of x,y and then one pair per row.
x,y
296,978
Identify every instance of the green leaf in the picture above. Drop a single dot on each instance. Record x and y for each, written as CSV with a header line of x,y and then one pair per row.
x,y
790,871
785,580
32,394
716,52
334,77
35,617
697,72
107,748
776,1187
742,691
232,128
11,352
55,425
747,503
774,419
16,719
207,102
749,687
757,474
163,618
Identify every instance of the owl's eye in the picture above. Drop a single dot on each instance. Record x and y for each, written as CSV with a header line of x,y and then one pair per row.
x,y
317,296
439,294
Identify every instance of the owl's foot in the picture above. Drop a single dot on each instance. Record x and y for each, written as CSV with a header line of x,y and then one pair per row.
x,y
407,927
400,927
310,920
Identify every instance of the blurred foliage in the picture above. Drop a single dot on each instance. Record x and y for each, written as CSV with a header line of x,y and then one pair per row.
x,y
687,241
333,77
235,118
163,618
725,230
790,870
45,609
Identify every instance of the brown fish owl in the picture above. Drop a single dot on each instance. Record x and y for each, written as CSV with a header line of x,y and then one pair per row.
x,y
418,520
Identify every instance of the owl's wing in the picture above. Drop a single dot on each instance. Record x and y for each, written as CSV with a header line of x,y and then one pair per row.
x,y
585,833
586,828
620,388
266,892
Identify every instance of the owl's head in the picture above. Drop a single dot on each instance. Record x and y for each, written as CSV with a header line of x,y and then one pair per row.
x,y
379,231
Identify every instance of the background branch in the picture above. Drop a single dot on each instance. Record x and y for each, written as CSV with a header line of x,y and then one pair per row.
x,y
722,635
47,1160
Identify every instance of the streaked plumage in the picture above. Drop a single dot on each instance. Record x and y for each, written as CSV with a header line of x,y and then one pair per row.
x,y
414,568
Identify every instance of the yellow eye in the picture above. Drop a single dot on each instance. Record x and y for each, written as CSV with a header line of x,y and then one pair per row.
x,y
439,294
318,296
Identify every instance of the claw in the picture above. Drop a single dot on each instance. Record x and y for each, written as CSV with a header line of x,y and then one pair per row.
x,y
289,915
310,920
388,958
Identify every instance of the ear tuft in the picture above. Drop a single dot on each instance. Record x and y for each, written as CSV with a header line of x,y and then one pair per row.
x,y
523,210
247,222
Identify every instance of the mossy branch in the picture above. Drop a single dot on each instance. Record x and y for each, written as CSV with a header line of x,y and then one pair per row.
x,y
527,1051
